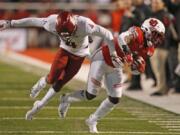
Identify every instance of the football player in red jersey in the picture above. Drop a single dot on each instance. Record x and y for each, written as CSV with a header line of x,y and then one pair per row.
x,y
131,47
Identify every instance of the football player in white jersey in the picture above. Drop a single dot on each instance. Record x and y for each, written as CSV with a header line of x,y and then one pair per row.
x,y
73,32
132,47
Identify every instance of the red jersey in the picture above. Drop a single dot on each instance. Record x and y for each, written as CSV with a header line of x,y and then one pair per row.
x,y
134,38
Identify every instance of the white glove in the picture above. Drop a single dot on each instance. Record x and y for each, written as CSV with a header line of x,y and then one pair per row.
x,y
116,60
4,24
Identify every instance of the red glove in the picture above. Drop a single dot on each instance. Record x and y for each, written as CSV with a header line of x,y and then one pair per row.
x,y
138,64
128,59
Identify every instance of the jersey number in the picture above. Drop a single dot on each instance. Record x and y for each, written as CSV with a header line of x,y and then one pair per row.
x,y
70,43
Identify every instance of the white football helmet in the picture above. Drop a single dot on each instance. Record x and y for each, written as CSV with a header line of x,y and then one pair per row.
x,y
154,31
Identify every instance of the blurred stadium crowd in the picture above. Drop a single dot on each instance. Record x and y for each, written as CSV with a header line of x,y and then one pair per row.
x,y
162,67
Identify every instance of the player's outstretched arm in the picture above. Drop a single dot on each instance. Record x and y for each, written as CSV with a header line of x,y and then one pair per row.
x,y
96,30
25,22
102,32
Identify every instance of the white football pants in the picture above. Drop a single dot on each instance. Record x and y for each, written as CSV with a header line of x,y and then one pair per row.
x,y
112,77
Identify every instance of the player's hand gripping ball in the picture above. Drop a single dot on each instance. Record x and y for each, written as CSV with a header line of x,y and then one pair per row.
x,y
138,65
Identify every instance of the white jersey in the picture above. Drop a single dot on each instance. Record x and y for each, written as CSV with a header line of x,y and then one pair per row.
x,y
85,27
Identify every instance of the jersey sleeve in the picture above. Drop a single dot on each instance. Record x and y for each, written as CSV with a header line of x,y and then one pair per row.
x,y
97,30
46,23
93,29
50,24
29,22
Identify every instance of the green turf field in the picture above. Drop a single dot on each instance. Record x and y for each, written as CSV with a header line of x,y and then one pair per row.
x,y
129,118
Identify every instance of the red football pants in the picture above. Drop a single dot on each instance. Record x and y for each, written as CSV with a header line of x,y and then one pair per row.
x,y
63,68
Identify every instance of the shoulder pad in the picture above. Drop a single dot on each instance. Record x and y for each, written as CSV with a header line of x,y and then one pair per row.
x,y
133,31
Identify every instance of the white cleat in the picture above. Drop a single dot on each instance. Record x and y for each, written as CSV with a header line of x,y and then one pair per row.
x,y
33,111
63,106
92,125
36,89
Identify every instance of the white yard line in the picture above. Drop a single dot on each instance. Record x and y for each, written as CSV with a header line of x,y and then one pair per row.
x,y
83,132
47,107
160,119
133,110
172,127
151,115
147,112
170,124
52,107
169,127
15,99
70,118
166,121
177,130
155,117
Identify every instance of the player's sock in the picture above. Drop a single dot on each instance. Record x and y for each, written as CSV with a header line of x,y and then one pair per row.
x,y
41,84
76,96
39,104
51,92
105,107
43,81
65,101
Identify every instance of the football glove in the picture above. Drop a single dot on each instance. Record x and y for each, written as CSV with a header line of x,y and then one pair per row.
x,y
5,24
128,59
138,65
116,60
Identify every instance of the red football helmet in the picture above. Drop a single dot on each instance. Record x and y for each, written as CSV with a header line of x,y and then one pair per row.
x,y
65,23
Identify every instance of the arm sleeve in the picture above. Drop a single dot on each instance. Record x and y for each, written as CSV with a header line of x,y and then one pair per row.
x,y
107,36
101,32
29,22
96,30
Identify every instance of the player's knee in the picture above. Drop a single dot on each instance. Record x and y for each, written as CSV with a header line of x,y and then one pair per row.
x,y
49,80
57,86
90,96
114,100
